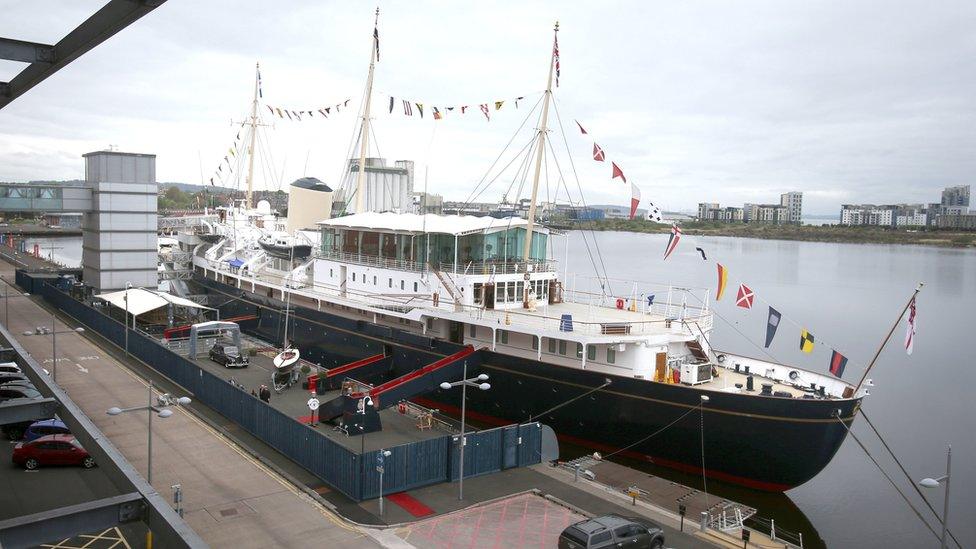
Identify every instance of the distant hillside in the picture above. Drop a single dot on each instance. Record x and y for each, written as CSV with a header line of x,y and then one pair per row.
x,y
191,188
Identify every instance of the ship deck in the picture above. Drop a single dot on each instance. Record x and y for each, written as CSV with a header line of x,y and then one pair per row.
x,y
397,428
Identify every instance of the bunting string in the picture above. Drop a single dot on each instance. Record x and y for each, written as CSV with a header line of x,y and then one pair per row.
x,y
226,165
398,106
599,155
300,115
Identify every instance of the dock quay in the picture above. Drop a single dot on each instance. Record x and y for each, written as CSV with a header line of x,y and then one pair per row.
x,y
527,505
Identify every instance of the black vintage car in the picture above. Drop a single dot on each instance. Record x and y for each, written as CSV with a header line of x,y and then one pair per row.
x,y
612,531
228,356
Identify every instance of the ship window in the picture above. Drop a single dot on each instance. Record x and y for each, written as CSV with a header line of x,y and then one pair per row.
x,y
430,324
391,282
503,336
414,286
473,331
611,355
331,274
519,290
401,284
552,346
591,352
562,347
478,288
535,343
353,277
579,350
374,280
510,287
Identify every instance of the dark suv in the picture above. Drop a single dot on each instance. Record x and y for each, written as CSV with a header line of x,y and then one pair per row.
x,y
228,356
612,531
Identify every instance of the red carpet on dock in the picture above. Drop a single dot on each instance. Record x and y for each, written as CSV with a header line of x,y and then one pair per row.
x,y
410,504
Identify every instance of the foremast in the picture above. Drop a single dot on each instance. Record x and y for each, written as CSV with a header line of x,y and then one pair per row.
x,y
538,161
254,130
364,136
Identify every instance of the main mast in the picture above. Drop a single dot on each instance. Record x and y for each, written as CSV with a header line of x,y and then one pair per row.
x,y
364,137
538,161
254,131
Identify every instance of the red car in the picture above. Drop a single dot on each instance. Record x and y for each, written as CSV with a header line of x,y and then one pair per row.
x,y
51,450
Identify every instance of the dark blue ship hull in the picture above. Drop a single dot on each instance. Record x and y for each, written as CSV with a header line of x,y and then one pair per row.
x,y
765,443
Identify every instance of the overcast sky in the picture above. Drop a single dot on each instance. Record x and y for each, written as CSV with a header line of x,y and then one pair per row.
x,y
726,102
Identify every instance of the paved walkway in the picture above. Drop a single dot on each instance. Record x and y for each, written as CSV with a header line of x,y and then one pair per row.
x,y
230,499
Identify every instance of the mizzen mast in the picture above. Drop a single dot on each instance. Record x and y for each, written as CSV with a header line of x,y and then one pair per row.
x,y
254,131
364,137
538,160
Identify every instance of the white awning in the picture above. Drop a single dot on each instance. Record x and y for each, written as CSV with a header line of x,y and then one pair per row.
x,y
427,223
142,301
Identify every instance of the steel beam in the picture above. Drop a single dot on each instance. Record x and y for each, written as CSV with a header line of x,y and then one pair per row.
x,y
72,520
169,529
105,23
25,52
22,409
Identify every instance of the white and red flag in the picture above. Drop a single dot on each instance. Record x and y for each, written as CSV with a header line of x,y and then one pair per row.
x,y
580,127
634,199
910,329
598,154
673,240
617,172
745,297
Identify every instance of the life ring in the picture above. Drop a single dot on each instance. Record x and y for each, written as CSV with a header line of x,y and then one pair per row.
x,y
402,407
721,359
620,303
794,375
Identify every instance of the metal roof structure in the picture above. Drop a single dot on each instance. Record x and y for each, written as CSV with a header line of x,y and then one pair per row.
x,y
141,301
45,59
427,223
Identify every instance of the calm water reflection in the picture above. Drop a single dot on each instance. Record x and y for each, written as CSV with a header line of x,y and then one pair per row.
x,y
847,295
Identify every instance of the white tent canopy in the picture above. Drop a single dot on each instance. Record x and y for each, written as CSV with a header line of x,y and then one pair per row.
x,y
142,300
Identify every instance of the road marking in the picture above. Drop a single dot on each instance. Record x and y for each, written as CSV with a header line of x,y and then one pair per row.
x,y
81,368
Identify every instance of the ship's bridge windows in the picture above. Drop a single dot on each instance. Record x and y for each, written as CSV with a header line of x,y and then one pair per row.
x,y
611,354
562,346
579,350
591,352
535,343
503,337
552,346
473,330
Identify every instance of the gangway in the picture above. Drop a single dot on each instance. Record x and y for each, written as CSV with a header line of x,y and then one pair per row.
x,y
409,385
361,370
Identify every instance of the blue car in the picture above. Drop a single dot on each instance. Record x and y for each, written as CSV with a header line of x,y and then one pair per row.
x,y
46,427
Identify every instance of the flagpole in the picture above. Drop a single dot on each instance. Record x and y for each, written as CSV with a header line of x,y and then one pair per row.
x,y
888,337
538,165
364,137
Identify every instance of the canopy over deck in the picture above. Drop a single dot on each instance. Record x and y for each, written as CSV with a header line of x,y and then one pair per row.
x,y
142,301
456,225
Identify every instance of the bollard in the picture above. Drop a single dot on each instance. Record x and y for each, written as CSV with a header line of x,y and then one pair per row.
x,y
801,540
576,473
772,529
704,521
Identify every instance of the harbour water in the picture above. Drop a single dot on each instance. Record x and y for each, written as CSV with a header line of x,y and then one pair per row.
x,y
847,295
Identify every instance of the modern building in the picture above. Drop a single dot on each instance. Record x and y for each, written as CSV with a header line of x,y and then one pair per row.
x,y
388,188
427,203
309,201
119,232
955,198
963,221
793,201
64,220
709,211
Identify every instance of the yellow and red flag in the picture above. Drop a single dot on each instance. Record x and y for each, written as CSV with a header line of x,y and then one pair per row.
x,y
723,279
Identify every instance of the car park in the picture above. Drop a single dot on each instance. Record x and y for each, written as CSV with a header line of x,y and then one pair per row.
x,y
51,450
228,356
45,427
612,531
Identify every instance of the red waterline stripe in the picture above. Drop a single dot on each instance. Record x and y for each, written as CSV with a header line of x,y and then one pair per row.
x,y
606,448
410,504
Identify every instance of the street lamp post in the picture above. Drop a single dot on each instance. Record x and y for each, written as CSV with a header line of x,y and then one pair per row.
x,y
127,286
161,412
934,483
479,382
53,332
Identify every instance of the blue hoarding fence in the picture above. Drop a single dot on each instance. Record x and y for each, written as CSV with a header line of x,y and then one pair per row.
x,y
409,466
